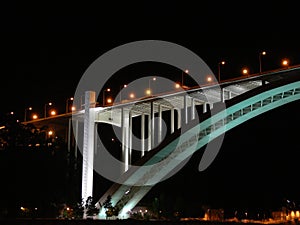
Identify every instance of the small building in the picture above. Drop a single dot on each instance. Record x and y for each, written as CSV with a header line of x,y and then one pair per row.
x,y
214,215
140,212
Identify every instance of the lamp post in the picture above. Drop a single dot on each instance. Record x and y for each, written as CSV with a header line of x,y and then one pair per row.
x,y
182,75
132,95
45,109
285,62
219,70
25,114
150,91
103,100
121,87
53,113
67,103
209,79
245,71
259,57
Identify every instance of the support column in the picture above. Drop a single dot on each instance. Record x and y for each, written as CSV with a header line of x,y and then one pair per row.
x,y
159,131
130,138
186,109
172,120
76,138
204,107
193,109
142,135
96,137
229,94
179,119
223,94
149,133
125,138
152,125
88,145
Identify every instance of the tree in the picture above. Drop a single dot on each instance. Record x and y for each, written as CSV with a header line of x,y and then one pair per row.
x,y
90,206
78,210
109,209
155,207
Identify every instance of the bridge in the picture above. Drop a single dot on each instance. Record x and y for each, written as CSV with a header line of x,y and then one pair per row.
x,y
220,107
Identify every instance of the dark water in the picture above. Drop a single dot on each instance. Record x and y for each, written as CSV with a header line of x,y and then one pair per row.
x,y
114,222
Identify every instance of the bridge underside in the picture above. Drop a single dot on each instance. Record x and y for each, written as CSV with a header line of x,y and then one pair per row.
x,y
244,99
167,158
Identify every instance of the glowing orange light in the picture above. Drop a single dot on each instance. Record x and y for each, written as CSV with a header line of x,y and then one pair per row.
x,y
148,92
109,100
245,71
209,79
285,62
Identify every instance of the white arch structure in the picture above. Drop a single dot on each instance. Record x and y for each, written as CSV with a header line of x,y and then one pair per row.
x,y
246,98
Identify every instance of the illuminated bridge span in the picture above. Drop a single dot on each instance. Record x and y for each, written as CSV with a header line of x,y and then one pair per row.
x,y
245,98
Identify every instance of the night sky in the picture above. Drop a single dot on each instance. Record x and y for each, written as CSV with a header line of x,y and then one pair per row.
x,y
46,47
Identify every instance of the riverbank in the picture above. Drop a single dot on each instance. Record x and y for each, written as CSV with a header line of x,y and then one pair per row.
x,y
122,222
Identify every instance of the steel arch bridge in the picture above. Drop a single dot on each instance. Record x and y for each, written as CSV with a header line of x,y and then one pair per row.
x,y
238,111
245,98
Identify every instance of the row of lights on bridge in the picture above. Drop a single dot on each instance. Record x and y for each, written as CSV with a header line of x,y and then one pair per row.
x,y
48,112
245,71
148,91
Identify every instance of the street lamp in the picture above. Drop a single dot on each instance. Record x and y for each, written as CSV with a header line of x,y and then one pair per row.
x,y
67,103
50,133
182,75
121,87
131,95
285,62
103,100
245,71
219,70
109,100
148,91
25,114
35,116
45,109
153,79
53,113
259,57
209,79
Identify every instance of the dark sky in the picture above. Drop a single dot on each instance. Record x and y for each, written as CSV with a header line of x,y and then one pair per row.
x,y
46,47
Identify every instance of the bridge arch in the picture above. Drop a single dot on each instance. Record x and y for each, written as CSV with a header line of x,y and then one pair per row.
x,y
239,110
